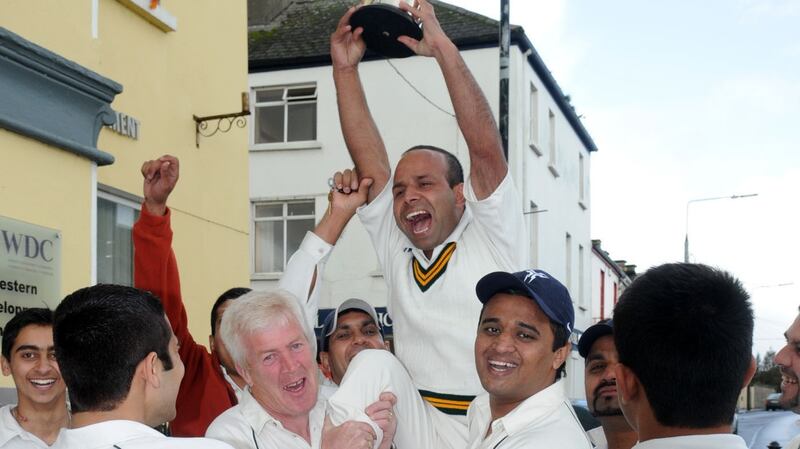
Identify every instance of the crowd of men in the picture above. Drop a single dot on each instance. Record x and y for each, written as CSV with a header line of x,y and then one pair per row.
x,y
666,373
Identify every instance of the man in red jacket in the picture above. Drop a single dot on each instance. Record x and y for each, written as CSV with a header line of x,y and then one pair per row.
x,y
211,384
204,392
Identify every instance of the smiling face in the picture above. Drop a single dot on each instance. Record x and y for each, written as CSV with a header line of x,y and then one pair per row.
x,y
34,369
281,369
514,350
788,359
426,208
355,331
601,379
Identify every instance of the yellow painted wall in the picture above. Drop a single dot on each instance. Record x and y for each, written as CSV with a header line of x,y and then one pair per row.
x,y
167,77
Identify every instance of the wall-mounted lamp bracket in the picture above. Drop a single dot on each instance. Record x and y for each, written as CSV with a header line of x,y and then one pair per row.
x,y
224,121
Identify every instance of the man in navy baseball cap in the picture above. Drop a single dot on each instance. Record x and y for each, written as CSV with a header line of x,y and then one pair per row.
x,y
520,352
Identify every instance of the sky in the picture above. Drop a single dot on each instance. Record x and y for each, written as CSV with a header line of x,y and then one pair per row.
x,y
686,100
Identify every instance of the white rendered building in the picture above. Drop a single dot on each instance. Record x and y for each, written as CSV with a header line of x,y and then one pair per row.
x,y
296,144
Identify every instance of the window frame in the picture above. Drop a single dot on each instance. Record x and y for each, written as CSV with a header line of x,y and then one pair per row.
x,y
285,102
285,218
534,133
120,198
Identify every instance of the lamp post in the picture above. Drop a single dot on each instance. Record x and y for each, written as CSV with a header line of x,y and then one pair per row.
x,y
697,200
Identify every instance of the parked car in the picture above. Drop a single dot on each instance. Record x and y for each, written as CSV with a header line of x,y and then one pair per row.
x,y
773,402
584,415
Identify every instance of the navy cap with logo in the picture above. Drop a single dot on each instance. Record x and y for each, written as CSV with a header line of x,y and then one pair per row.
x,y
595,331
551,296
330,322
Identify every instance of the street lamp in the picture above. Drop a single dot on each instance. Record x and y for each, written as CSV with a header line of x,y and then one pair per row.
x,y
697,200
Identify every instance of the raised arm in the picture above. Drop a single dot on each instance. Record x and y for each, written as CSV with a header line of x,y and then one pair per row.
x,y
302,270
155,267
360,133
488,166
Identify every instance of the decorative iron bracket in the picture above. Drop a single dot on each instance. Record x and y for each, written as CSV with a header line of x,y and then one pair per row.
x,y
224,121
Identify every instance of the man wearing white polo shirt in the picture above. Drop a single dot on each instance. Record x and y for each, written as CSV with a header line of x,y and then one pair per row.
x,y
435,235
520,354
684,335
119,359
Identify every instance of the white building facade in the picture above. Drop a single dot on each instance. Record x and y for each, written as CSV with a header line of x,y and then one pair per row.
x,y
296,144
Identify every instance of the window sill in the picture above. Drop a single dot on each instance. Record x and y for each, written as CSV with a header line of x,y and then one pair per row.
x,y
535,147
305,145
158,16
553,170
265,276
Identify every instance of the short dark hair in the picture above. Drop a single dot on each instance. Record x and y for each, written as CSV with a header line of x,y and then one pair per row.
x,y
455,172
101,334
229,294
28,317
686,331
560,332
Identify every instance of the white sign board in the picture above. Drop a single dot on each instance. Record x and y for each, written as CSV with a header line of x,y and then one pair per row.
x,y
30,267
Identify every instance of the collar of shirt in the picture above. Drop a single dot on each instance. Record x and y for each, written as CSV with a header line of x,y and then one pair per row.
x,y
10,429
719,440
258,418
531,410
106,434
466,219
236,390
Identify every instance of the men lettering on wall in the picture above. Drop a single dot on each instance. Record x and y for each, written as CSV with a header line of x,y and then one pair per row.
x,y
684,334
597,347
435,235
29,358
520,353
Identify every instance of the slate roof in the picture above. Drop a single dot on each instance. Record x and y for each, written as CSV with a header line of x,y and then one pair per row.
x,y
300,37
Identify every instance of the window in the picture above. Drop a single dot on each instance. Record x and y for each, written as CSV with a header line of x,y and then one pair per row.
x,y
552,143
285,114
568,259
279,227
602,295
115,218
581,301
534,224
581,181
533,139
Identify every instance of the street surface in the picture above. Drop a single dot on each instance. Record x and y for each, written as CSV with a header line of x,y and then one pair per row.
x,y
759,428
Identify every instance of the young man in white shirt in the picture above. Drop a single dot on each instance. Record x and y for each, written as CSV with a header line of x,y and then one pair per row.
x,y
29,358
684,334
596,346
520,353
120,361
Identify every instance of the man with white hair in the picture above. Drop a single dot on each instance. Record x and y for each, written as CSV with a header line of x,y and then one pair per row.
x,y
274,350
285,408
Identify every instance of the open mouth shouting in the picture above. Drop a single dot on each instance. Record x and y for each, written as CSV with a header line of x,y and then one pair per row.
x,y
419,221
295,387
